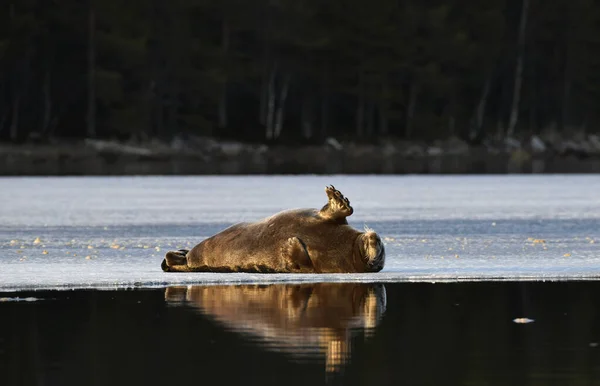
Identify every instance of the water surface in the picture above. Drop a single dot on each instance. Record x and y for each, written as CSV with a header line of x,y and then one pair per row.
x,y
308,334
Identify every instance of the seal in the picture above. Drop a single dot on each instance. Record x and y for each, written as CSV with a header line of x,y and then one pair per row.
x,y
292,241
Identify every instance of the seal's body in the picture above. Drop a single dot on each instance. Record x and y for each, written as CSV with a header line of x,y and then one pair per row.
x,y
301,241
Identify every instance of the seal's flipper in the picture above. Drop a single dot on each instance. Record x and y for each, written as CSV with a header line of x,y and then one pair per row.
x,y
175,261
295,256
176,257
338,207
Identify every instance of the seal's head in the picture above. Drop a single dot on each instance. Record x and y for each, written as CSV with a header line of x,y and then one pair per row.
x,y
371,251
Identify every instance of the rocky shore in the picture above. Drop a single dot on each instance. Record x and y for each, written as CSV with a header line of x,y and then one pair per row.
x,y
201,155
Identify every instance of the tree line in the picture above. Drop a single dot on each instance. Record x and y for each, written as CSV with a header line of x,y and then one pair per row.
x,y
283,70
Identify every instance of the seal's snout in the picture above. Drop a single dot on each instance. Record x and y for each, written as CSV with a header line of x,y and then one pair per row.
x,y
374,251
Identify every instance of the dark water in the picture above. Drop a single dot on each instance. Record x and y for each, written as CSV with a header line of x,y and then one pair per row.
x,y
309,334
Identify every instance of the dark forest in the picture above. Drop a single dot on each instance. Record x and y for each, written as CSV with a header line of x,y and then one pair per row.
x,y
275,70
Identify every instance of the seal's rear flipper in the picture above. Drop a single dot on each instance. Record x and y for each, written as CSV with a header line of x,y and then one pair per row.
x,y
338,207
175,261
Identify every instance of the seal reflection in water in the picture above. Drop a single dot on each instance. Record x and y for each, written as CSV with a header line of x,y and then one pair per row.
x,y
299,240
306,321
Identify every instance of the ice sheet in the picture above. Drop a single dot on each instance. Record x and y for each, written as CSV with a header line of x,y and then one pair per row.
x,y
107,232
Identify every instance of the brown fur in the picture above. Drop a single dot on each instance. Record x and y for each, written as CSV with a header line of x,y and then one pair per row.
x,y
300,241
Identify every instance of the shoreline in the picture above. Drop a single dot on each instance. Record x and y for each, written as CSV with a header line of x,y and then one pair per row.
x,y
207,156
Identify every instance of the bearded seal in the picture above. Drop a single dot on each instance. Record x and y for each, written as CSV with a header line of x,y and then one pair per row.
x,y
292,241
